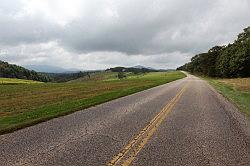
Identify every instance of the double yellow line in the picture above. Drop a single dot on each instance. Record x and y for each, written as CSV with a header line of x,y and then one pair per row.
x,y
129,152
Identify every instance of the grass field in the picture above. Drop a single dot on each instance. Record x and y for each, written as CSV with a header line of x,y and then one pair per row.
x,y
23,105
17,81
237,90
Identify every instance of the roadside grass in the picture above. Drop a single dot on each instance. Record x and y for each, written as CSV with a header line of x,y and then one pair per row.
x,y
17,81
23,105
237,90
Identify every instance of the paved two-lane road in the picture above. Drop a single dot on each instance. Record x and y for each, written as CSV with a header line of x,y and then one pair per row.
x,y
185,122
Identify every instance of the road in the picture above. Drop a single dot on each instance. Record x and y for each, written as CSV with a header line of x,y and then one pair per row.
x,y
185,122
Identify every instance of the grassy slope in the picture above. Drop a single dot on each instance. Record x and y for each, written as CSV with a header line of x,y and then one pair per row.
x,y
99,76
26,104
237,90
17,81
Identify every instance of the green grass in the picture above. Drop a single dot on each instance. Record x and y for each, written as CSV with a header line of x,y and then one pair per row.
x,y
17,81
237,90
23,105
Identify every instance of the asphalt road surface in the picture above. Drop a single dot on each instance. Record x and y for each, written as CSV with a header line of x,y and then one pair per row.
x,y
185,122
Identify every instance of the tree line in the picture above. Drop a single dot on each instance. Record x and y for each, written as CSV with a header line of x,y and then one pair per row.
x,y
13,71
131,69
228,61
64,77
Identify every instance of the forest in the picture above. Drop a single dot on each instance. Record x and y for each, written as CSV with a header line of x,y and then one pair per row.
x,y
232,60
13,71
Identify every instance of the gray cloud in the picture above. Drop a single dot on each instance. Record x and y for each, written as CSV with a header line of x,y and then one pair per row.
x,y
143,31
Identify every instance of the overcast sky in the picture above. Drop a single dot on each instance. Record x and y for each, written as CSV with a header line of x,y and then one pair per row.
x,y
98,34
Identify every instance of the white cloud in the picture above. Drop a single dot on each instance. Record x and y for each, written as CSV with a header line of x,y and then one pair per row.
x,y
99,33
59,11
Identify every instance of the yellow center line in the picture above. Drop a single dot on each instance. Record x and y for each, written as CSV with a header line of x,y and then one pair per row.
x,y
130,151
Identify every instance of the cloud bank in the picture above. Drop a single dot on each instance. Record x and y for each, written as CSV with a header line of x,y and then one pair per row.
x,y
98,34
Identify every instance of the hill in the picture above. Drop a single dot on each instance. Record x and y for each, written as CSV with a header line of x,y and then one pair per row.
x,y
142,67
50,69
65,77
232,60
136,69
13,71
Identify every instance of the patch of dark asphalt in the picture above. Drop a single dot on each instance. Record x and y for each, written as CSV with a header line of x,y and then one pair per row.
x,y
203,129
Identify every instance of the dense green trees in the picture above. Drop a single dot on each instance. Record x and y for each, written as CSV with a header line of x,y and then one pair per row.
x,y
131,69
232,60
64,77
121,75
13,71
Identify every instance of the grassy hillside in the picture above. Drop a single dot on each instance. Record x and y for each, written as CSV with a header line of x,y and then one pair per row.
x,y
17,81
98,76
26,104
237,90
111,76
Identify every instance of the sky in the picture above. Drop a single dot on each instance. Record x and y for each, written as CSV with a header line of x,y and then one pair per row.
x,y
99,34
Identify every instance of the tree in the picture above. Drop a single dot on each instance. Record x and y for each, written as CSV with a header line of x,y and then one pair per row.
x,y
232,60
121,75
13,71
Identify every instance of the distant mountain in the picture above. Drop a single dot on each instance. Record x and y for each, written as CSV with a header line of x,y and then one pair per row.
x,y
142,67
135,69
150,68
138,67
14,71
50,69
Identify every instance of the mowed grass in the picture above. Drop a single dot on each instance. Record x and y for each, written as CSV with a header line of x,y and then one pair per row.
x,y
23,105
237,90
17,81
